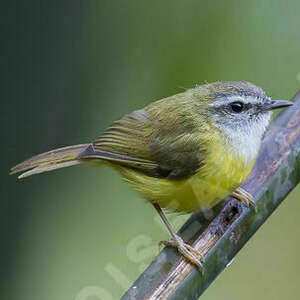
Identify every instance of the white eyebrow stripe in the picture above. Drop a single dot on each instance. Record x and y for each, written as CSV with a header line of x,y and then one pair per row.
x,y
225,101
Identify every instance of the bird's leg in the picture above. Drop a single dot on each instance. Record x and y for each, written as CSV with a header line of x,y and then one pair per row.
x,y
242,195
191,254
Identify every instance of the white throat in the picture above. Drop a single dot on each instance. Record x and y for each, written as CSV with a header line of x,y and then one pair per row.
x,y
246,141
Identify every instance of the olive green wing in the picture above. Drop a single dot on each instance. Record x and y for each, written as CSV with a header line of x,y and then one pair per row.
x,y
151,142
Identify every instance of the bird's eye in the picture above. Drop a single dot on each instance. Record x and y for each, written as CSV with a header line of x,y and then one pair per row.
x,y
237,106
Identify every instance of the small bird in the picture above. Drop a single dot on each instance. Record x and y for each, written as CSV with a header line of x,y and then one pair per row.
x,y
183,153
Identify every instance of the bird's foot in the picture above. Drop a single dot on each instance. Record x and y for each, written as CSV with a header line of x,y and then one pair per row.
x,y
191,254
243,196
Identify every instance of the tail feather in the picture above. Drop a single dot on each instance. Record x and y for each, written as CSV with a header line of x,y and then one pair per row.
x,y
55,159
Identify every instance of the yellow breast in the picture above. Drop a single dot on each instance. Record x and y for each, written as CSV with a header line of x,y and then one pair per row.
x,y
222,172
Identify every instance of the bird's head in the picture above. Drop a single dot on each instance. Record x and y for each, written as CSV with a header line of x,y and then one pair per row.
x,y
241,111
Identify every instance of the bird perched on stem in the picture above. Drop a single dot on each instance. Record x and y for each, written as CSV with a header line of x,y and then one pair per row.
x,y
183,153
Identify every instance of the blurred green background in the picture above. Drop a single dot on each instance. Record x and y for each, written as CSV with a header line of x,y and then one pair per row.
x,y
72,67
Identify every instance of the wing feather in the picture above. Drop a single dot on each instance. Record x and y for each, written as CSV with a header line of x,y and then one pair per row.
x,y
149,142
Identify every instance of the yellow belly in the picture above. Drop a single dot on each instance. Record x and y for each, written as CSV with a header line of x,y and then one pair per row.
x,y
221,173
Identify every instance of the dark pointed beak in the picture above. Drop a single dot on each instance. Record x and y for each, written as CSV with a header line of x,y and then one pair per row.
x,y
274,104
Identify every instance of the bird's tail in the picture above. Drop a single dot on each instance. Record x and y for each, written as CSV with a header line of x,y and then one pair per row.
x,y
48,161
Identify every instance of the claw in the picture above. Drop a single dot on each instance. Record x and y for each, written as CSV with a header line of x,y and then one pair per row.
x,y
243,196
190,253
